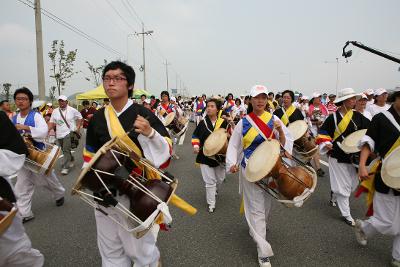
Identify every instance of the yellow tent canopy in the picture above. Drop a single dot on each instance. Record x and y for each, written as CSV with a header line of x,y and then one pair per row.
x,y
99,93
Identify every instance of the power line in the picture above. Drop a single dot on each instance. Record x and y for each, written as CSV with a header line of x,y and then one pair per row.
x,y
71,27
119,15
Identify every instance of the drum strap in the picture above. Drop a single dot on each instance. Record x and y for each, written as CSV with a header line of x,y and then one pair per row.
x,y
266,130
287,113
390,117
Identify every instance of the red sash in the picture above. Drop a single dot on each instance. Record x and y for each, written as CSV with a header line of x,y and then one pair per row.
x,y
262,125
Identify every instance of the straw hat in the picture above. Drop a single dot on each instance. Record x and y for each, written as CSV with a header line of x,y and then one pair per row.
x,y
390,171
344,94
263,160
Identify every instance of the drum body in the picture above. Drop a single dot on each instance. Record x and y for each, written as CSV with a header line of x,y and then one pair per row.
x,y
41,161
6,220
291,185
305,146
112,171
177,124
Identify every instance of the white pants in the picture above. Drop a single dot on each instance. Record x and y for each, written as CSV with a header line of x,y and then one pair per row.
x,y
257,205
212,177
344,180
25,186
198,119
386,219
118,248
16,248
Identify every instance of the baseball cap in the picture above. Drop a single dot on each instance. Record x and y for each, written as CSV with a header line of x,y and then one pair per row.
x,y
49,104
380,91
316,94
369,92
173,98
62,97
258,89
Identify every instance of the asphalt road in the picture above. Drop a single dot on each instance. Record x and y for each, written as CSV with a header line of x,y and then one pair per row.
x,y
312,235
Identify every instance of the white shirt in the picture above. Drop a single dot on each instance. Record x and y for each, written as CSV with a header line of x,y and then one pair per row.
x,y
71,115
367,114
236,111
375,109
39,132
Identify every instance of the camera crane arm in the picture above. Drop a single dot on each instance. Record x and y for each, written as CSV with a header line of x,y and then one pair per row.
x,y
348,54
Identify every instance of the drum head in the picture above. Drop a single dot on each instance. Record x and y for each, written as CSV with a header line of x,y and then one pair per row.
x,y
263,160
169,118
297,129
215,142
391,169
350,142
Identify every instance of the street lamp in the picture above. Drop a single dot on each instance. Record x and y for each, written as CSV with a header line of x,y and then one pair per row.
x,y
143,33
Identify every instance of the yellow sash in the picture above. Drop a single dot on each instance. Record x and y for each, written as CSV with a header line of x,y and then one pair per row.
x,y
286,114
116,130
342,126
369,183
219,121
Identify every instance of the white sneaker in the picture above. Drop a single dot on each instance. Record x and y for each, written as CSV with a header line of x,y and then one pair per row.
x,y
360,235
71,164
264,262
211,209
64,171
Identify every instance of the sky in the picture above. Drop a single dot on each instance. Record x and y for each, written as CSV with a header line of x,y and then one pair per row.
x,y
212,46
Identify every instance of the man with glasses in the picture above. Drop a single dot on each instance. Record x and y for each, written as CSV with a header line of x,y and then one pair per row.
x,y
149,138
30,122
66,121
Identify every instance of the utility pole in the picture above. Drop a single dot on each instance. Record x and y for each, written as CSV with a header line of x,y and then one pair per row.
x,y
166,72
143,33
39,51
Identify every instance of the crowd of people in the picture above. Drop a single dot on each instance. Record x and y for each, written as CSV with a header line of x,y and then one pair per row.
x,y
154,126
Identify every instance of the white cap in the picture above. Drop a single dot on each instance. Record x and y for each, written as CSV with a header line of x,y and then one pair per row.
x,y
258,89
304,97
369,92
62,97
173,98
362,96
380,91
316,94
49,104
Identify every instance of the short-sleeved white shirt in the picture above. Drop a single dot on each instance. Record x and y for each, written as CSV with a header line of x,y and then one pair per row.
x,y
71,115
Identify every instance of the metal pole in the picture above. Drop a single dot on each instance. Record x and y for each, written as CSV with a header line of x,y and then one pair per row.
x,y
166,72
144,60
39,51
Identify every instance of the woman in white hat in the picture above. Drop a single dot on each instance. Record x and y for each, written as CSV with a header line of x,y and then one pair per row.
x,y
361,106
380,104
212,171
342,174
257,202
382,138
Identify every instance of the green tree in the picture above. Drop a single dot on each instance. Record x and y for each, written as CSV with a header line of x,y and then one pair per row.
x,y
6,91
52,93
95,73
62,64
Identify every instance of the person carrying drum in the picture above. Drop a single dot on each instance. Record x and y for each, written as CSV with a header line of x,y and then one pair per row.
x,y
146,132
165,107
382,138
32,123
288,113
15,245
212,170
342,174
246,137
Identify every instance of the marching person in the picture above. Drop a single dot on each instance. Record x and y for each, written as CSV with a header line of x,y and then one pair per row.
x,y
30,122
15,245
379,104
212,171
150,138
165,107
5,106
331,106
361,105
199,106
244,140
229,103
342,174
238,111
66,121
382,137
87,113
317,112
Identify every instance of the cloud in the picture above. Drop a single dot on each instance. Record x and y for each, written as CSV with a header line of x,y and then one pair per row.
x,y
16,35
